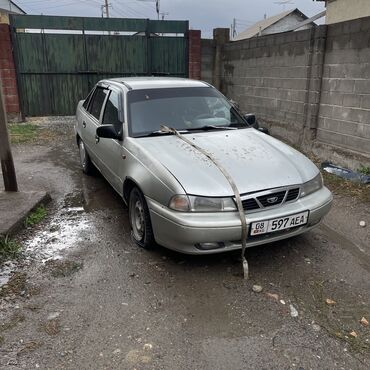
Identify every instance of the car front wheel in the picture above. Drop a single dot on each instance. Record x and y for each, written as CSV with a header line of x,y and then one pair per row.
x,y
141,227
86,164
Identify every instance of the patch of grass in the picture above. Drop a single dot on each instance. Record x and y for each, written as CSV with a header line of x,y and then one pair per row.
x,y
339,185
364,170
22,132
36,216
9,248
342,186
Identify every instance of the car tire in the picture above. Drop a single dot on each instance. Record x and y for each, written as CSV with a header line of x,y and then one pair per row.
x,y
87,166
140,223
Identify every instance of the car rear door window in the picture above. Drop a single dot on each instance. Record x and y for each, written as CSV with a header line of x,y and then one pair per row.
x,y
111,113
97,102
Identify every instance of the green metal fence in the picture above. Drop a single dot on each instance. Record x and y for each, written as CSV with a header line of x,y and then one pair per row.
x,y
59,59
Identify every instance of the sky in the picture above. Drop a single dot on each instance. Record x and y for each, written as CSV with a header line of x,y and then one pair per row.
x,y
202,14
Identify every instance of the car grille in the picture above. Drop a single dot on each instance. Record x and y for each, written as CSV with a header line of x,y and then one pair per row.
x,y
271,199
292,195
250,204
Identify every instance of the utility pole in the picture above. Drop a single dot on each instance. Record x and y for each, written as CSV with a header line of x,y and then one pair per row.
x,y
234,28
163,14
157,7
7,164
107,8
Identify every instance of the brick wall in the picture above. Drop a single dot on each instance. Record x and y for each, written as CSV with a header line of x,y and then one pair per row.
x,y
195,54
7,74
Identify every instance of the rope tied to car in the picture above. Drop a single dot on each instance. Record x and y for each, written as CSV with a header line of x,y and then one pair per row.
x,y
166,129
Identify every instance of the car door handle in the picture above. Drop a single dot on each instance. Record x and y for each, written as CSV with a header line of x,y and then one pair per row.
x,y
84,124
97,139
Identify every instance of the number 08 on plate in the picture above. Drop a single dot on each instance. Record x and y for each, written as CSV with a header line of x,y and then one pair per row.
x,y
278,224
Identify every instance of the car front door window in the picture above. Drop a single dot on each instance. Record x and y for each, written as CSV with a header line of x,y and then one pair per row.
x,y
97,102
111,113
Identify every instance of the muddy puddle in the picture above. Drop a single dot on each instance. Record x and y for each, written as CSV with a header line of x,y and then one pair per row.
x,y
65,229
68,225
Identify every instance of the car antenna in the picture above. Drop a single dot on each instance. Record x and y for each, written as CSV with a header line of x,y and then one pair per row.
x,y
233,186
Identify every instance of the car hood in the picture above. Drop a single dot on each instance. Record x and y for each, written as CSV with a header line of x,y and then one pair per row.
x,y
254,160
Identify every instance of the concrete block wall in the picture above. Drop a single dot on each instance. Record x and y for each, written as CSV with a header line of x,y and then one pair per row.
x,y
310,87
207,60
268,76
344,116
8,74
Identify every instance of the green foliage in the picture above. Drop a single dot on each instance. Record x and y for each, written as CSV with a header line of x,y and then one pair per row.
x,y
9,249
22,133
364,170
36,216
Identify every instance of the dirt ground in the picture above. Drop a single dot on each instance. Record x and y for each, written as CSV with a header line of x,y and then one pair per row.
x,y
83,296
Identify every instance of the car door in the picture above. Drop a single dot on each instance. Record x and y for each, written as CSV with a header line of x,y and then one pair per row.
x,y
92,121
110,150
82,113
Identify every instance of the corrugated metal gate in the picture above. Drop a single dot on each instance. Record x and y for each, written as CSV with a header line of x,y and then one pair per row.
x,y
59,59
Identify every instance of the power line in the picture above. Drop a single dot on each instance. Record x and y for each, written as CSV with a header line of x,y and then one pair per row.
x,y
54,6
39,7
129,10
120,8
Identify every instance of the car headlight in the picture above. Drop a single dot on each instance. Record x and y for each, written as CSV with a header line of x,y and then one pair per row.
x,y
313,185
184,203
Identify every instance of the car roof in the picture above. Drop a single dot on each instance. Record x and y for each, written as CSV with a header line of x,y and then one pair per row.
x,y
139,83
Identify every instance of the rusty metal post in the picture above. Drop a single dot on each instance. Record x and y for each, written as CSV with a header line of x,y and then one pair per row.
x,y
7,164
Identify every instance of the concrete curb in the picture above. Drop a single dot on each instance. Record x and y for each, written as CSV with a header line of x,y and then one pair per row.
x,y
15,207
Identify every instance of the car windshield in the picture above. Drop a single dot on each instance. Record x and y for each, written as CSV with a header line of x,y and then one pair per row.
x,y
185,109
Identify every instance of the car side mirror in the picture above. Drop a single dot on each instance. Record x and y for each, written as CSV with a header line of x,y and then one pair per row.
x,y
108,132
251,120
265,130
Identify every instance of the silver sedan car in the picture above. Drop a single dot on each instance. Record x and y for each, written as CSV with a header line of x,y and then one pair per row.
x,y
149,138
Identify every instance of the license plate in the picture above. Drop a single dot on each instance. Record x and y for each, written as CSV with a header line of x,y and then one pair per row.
x,y
278,224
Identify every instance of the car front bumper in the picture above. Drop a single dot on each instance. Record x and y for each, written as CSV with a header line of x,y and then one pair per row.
x,y
182,231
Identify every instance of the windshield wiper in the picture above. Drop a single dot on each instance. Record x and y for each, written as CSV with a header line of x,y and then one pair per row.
x,y
202,128
211,127
160,133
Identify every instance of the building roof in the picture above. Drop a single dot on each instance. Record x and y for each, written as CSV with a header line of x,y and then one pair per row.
x,y
266,23
11,7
